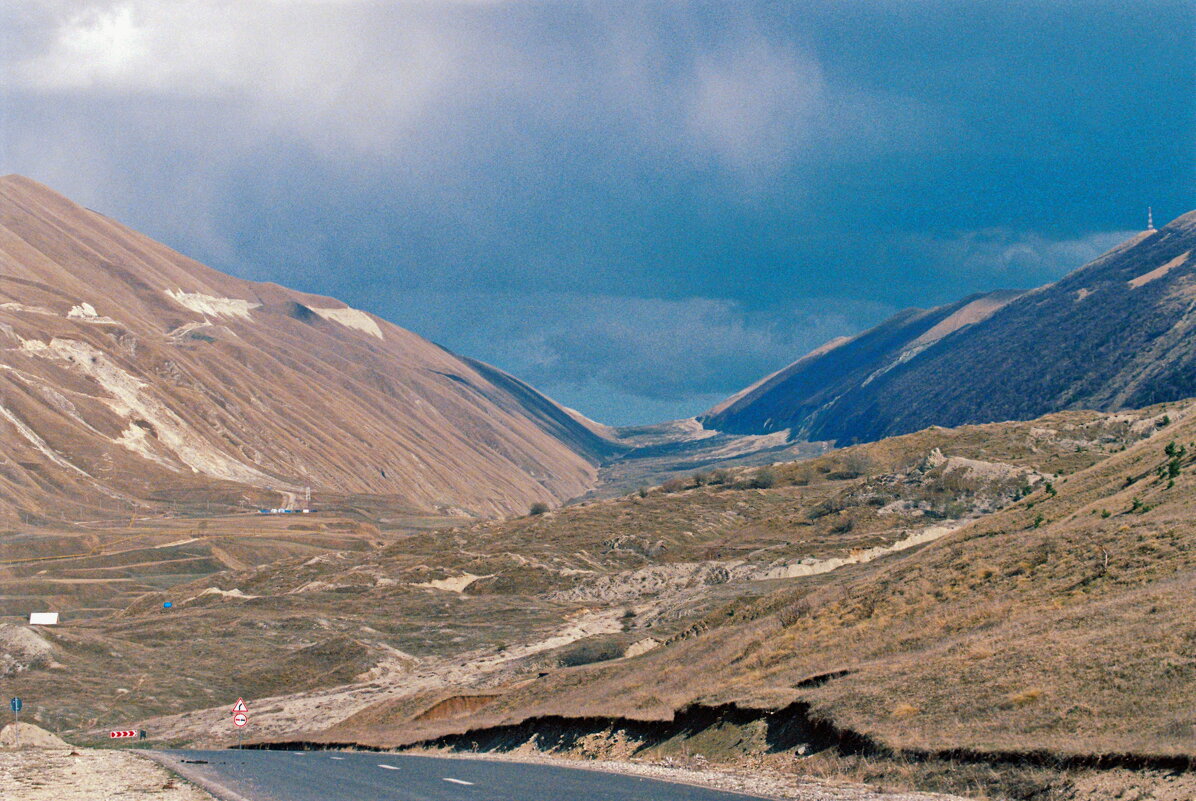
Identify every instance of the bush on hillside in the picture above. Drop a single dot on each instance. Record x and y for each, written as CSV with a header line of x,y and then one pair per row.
x,y
764,478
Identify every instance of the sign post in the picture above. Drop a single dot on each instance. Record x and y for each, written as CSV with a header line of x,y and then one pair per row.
x,y
240,720
15,705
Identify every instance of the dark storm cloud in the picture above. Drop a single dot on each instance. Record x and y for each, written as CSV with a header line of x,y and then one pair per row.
x,y
645,347
637,206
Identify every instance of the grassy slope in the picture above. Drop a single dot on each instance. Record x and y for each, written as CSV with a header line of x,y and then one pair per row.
x,y
1003,635
1014,633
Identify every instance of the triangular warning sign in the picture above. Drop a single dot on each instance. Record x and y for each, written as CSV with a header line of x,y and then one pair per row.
x,y
240,706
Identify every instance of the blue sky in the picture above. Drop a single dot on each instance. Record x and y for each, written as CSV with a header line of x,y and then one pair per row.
x,y
637,207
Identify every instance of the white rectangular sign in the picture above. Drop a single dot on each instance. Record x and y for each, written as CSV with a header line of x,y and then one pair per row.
x,y
43,618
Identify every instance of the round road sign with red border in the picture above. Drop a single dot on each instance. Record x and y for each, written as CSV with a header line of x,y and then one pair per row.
x,y
240,719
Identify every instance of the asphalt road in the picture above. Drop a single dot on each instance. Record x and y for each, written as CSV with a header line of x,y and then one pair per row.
x,y
254,775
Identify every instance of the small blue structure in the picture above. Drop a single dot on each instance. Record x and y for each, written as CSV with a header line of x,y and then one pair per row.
x,y
168,605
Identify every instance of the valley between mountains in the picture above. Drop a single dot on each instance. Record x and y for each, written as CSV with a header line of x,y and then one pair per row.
x,y
952,553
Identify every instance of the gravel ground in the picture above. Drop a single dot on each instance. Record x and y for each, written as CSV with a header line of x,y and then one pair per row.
x,y
89,775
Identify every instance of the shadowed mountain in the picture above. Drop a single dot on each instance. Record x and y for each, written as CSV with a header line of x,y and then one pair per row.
x,y
1113,334
128,370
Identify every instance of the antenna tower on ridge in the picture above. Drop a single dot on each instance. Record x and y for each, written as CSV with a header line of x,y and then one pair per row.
x,y
1149,218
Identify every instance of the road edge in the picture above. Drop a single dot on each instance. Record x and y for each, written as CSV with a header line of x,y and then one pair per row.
x,y
621,768
192,775
712,777
686,777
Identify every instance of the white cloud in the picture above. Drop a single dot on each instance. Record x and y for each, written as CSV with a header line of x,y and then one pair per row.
x,y
753,105
340,75
95,46
349,75
1001,257
123,46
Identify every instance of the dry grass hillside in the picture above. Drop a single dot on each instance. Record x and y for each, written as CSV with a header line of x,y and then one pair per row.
x,y
130,374
98,567
1062,622
692,590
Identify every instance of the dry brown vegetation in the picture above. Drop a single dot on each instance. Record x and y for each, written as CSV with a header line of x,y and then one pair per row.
x,y
1073,634
1014,633
100,567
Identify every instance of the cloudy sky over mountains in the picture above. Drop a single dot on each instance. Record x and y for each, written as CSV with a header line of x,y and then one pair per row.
x,y
638,207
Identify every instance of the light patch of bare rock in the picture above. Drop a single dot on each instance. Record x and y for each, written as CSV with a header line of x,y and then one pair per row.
x,y
212,306
351,318
1159,272
452,584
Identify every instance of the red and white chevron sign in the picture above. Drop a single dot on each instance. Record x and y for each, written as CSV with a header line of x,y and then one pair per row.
x,y
115,734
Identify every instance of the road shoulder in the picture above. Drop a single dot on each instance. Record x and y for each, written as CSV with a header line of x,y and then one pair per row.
x,y
767,784
87,774
194,773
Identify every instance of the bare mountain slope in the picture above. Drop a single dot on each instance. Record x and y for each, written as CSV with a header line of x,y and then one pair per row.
x,y
127,368
1113,334
796,396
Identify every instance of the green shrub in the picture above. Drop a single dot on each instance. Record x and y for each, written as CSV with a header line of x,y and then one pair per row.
x,y
764,478
843,526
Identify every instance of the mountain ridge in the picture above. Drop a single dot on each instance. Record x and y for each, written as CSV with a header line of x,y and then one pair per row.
x,y
1108,335
204,379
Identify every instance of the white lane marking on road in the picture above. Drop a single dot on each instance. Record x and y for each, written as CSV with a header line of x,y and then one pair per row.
x,y
336,757
457,781
387,767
